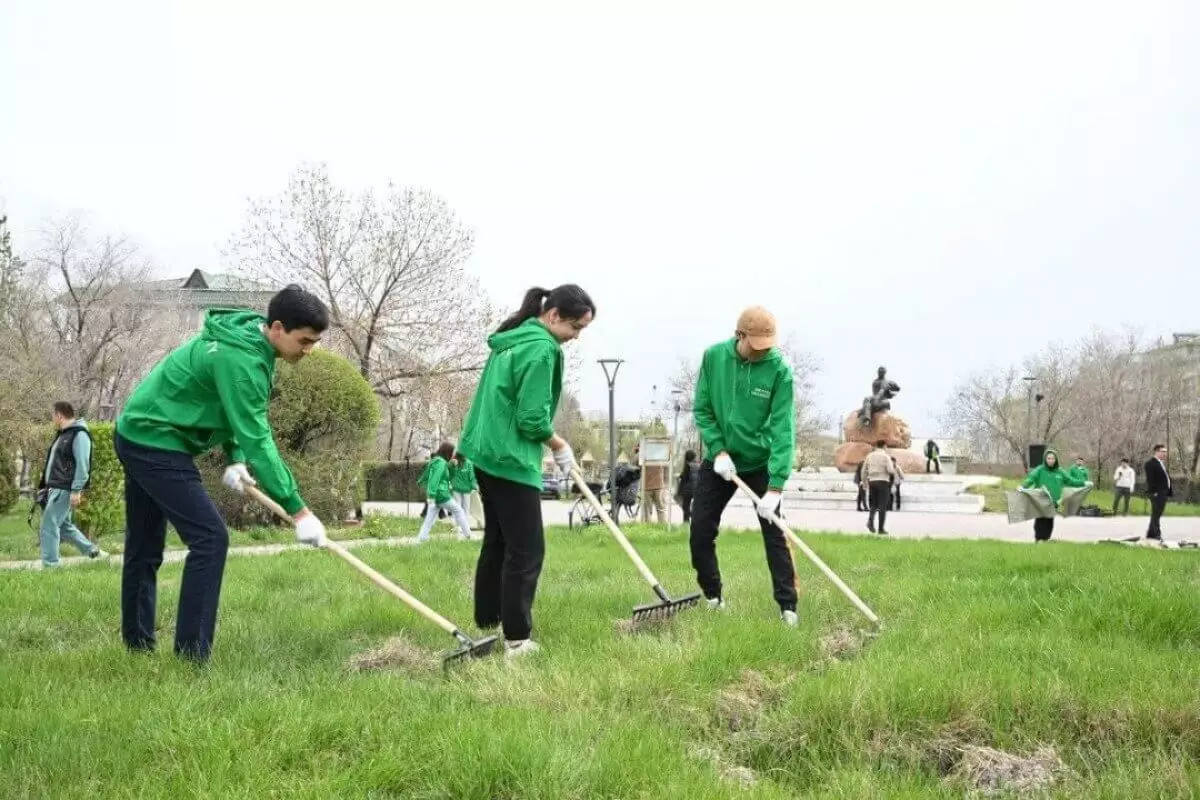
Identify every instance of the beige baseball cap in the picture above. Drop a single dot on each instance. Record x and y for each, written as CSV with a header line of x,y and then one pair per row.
x,y
758,325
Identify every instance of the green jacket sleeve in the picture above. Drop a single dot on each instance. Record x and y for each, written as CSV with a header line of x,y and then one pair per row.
x,y
535,395
1033,479
705,416
438,486
1075,478
82,450
245,392
781,427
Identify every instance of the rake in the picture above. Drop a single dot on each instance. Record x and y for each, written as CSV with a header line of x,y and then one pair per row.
x,y
467,647
666,607
813,557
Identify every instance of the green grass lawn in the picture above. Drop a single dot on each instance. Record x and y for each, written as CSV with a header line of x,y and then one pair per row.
x,y
994,501
1091,650
20,542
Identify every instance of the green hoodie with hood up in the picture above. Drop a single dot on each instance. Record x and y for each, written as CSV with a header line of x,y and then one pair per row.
x,y
512,414
745,408
214,390
1052,478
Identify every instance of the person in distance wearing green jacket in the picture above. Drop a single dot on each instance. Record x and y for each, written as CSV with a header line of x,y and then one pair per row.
x,y
511,419
746,417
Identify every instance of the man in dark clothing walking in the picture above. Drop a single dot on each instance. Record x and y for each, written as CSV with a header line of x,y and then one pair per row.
x,y
745,413
1158,487
65,476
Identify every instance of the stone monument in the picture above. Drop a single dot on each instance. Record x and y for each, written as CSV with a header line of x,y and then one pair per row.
x,y
874,421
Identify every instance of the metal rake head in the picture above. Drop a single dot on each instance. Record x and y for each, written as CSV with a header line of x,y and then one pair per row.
x,y
471,648
664,609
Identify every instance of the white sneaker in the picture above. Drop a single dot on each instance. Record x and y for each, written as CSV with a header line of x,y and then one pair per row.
x,y
716,603
520,648
790,618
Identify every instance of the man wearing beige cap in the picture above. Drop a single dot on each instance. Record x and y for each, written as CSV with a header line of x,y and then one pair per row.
x,y
746,417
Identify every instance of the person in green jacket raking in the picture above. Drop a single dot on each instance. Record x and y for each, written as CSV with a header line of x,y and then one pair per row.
x,y
1049,475
510,421
210,392
435,479
462,482
745,413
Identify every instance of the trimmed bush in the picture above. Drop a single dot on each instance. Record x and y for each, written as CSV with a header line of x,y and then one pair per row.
x,y
102,512
394,481
8,481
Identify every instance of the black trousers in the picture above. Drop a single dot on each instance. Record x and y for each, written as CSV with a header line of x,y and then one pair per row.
x,y
936,463
685,503
881,495
1043,529
1119,493
162,486
713,493
894,502
861,500
1158,504
510,562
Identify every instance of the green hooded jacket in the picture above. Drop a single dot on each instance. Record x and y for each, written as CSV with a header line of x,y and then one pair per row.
x,y
435,480
1079,472
214,390
512,414
462,478
746,409
1052,479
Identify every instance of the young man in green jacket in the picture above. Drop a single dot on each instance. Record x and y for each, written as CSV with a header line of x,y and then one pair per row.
x,y
746,416
211,391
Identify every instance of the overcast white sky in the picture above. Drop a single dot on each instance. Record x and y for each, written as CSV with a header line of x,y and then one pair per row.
x,y
935,188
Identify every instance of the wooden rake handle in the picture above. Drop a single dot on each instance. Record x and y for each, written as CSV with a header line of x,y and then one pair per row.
x,y
612,527
378,579
813,557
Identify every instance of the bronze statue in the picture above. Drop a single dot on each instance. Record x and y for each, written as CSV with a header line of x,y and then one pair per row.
x,y
882,392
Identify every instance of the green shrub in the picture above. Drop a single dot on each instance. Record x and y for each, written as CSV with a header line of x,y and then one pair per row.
x,y
8,481
102,512
393,481
323,414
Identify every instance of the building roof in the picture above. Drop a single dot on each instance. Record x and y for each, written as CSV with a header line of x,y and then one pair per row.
x,y
212,289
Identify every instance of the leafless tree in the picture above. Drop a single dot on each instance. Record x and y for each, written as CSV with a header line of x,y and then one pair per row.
x,y
390,268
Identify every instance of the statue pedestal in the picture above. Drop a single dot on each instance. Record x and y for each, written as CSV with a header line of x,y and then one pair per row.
x,y
859,441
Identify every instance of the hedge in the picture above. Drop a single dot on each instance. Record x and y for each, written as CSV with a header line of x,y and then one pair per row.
x,y
393,482
8,481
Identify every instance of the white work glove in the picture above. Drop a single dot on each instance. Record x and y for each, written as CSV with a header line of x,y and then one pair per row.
x,y
768,505
235,476
564,459
310,530
723,466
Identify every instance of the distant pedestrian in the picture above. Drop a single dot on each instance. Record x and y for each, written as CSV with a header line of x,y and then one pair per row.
x,y
462,482
933,457
877,474
64,479
860,503
1158,488
1124,480
435,480
897,479
686,490
654,492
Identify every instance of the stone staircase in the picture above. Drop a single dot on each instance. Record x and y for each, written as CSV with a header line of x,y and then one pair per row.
x,y
831,490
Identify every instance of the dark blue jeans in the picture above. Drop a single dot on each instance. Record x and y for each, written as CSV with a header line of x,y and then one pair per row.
x,y
162,486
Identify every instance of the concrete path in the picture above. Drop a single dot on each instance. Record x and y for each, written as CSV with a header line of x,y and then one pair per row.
x,y
901,525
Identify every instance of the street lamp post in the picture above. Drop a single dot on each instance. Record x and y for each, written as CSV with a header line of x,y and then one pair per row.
x,y
615,363
1029,381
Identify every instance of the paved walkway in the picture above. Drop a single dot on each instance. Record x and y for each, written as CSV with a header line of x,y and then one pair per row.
x,y
901,525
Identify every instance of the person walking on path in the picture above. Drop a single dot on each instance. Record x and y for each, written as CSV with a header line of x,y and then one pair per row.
x,y
933,457
1158,488
1049,475
462,482
211,391
897,479
65,478
1124,479
510,421
745,413
654,489
435,480
686,490
878,472
860,500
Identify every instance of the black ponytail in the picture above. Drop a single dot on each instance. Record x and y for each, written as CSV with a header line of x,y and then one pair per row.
x,y
571,301
531,306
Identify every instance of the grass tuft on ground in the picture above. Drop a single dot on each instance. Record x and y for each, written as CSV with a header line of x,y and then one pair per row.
x,y
1065,668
